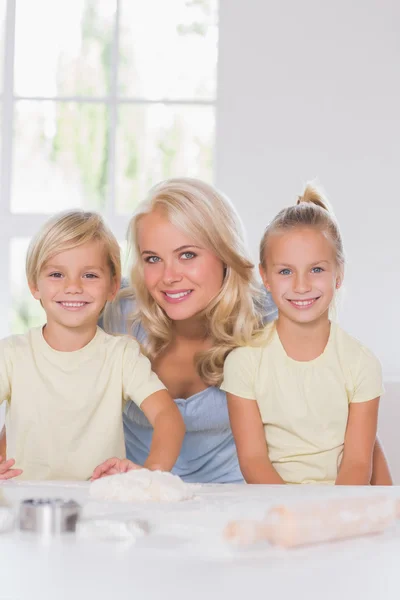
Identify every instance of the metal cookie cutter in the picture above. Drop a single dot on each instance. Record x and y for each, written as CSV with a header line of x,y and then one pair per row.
x,y
48,516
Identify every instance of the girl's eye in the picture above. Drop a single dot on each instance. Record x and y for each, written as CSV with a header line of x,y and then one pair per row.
x,y
285,272
317,270
55,275
90,276
152,259
188,255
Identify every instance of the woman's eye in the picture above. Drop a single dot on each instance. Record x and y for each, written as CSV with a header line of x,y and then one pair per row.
x,y
285,272
317,270
188,255
152,259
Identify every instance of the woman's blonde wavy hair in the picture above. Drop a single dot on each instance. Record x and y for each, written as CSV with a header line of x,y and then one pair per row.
x,y
234,315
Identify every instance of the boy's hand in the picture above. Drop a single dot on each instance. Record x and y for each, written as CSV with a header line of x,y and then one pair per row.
x,y
112,466
6,470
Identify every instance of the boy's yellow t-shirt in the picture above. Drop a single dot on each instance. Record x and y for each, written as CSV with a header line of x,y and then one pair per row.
x,y
304,405
64,409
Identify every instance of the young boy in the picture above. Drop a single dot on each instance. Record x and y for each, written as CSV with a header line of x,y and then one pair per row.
x,y
66,383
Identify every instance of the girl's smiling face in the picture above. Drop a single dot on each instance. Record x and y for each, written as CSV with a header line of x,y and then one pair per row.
x,y
301,273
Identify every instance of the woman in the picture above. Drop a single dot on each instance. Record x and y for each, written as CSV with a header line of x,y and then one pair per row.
x,y
192,299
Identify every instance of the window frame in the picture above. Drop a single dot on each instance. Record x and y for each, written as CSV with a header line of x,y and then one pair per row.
x,y
22,225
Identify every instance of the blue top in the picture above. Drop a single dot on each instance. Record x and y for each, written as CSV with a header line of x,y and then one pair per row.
x,y
208,453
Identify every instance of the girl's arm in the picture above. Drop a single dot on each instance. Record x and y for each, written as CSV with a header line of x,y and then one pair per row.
x,y
251,446
359,441
3,442
168,430
380,468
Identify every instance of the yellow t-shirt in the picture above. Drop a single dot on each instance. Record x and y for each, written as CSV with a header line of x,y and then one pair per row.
x,y
304,405
64,409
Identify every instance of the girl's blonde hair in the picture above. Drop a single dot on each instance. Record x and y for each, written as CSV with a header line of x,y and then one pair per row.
x,y
68,230
312,210
234,314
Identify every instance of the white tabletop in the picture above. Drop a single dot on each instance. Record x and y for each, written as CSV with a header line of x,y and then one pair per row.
x,y
184,556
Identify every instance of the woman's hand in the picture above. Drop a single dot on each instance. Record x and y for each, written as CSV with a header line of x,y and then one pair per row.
x,y
6,470
112,466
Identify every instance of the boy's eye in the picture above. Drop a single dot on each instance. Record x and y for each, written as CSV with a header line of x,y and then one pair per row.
x,y
90,276
56,275
317,270
188,255
152,259
285,272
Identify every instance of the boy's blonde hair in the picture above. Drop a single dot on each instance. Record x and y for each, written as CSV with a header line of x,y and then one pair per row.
x,y
233,315
68,230
312,210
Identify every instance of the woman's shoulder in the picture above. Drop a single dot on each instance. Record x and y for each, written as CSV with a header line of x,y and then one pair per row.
x,y
244,360
116,317
267,308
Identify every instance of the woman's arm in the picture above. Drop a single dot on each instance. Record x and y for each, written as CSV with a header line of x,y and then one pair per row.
x,y
251,446
380,468
169,430
359,441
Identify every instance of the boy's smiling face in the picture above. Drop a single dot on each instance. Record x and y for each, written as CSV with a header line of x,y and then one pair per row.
x,y
74,286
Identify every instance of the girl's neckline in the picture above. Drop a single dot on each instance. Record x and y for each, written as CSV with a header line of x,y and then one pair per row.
x,y
313,360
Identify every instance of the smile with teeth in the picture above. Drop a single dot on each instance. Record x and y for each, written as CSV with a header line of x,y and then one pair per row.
x,y
72,304
177,295
303,303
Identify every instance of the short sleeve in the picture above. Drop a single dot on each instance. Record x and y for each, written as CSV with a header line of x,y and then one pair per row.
x,y
239,373
138,379
368,383
5,369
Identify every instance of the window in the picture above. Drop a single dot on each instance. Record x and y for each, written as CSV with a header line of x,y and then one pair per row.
x,y
100,99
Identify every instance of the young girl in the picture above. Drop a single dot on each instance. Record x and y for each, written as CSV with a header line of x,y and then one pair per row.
x,y
304,404
66,383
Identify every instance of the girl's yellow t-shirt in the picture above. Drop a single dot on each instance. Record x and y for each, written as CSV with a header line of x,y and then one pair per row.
x,y
304,405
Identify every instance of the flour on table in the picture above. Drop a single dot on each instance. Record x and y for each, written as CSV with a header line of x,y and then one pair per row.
x,y
6,519
141,485
111,529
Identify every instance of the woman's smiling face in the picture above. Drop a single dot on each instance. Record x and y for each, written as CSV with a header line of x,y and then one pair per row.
x,y
180,275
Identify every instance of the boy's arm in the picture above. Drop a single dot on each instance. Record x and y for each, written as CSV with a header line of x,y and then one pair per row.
x,y
168,430
6,469
251,445
142,385
359,441
168,434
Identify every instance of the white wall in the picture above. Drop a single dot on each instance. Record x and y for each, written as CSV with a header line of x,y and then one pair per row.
x,y
312,89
